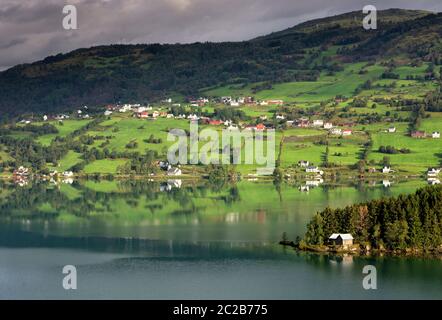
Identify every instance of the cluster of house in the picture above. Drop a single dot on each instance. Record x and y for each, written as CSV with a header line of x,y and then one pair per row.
x,y
432,176
310,168
423,134
319,123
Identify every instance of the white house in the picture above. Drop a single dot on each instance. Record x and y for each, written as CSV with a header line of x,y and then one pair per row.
x,y
328,125
387,170
347,132
45,118
433,181
341,239
290,123
392,129
318,123
107,113
174,172
433,172
304,163
336,131
280,117
435,135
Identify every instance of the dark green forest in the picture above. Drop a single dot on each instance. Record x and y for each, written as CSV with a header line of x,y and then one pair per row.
x,y
407,221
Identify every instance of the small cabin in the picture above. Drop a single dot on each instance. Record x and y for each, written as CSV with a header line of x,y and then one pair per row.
x,y
341,239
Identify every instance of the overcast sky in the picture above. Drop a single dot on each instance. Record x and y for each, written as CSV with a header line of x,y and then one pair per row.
x,y
32,29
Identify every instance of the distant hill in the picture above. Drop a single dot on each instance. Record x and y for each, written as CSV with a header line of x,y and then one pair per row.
x,y
108,74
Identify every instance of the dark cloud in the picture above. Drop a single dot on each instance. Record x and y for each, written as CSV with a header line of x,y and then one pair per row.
x,y
31,30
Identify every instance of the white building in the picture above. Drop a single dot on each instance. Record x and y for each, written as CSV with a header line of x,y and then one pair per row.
x,y
336,131
174,172
328,125
435,135
433,172
392,129
304,163
347,132
387,170
318,123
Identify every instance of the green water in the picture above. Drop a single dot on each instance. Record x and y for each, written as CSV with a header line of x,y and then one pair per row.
x,y
188,240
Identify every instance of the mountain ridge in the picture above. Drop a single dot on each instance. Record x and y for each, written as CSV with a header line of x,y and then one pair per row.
x,y
149,72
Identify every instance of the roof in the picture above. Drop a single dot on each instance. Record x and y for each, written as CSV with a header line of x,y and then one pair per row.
x,y
344,236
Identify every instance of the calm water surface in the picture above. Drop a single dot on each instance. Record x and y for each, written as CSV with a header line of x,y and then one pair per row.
x,y
180,240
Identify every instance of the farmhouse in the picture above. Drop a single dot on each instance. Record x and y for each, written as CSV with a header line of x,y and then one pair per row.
x,y
328,125
418,134
435,135
336,131
341,239
387,170
432,172
347,132
143,115
174,172
303,122
215,122
303,163
318,123
392,129
21,171
275,102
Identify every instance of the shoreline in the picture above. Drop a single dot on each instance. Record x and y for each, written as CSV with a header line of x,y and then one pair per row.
x,y
358,251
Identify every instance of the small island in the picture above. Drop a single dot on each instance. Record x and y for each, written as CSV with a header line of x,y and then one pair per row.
x,y
404,225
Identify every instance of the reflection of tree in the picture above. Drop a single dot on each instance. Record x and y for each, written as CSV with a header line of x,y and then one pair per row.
x,y
31,200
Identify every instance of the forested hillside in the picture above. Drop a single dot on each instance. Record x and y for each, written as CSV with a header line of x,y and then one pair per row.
x,y
126,73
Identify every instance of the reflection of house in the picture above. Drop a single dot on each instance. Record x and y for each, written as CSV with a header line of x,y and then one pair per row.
x,y
386,183
341,239
433,181
304,188
313,169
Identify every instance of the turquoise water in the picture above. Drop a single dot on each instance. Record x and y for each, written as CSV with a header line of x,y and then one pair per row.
x,y
151,241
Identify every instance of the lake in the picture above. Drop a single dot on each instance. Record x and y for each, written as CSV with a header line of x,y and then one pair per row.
x,y
189,240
